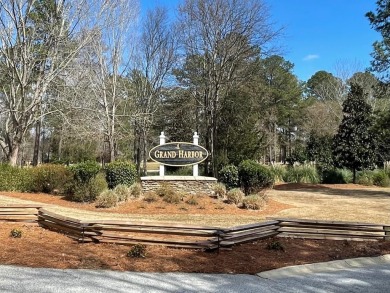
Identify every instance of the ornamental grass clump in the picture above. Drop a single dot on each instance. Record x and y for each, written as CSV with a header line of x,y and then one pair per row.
x,y
234,196
275,245
151,197
278,173
16,233
380,178
138,251
303,174
253,202
173,197
219,190
123,192
165,190
365,178
192,200
107,199
136,190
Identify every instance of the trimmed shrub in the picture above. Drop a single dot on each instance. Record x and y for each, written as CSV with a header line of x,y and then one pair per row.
x,y
85,171
380,178
235,196
151,197
365,178
15,178
254,176
88,191
120,172
50,178
79,192
97,185
302,174
253,202
228,175
336,176
136,190
123,192
107,199
219,190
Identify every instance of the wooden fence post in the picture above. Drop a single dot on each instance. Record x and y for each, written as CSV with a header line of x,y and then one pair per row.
x,y
387,233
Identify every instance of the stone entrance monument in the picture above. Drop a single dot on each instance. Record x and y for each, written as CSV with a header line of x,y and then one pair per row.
x,y
179,154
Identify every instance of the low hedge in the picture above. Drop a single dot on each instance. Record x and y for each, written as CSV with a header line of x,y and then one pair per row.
x,y
15,178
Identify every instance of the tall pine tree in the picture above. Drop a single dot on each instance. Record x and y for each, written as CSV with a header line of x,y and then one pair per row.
x,y
354,145
380,22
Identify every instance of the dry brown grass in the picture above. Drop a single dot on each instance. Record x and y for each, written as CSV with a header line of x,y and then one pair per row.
x,y
347,202
323,202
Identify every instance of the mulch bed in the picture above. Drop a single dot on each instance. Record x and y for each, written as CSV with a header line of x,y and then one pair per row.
x,y
39,247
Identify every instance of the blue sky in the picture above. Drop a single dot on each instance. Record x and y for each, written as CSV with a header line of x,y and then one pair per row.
x,y
319,34
322,34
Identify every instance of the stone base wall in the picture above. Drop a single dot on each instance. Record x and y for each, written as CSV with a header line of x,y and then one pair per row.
x,y
186,184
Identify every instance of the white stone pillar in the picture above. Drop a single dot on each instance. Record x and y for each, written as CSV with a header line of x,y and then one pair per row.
x,y
162,167
195,168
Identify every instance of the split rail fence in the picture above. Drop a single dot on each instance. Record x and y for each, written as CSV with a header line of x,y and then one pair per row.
x,y
19,213
191,236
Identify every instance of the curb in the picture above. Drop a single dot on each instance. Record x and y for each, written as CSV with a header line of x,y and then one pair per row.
x,y
323,267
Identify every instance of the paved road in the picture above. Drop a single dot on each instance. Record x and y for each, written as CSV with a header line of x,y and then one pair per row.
x,y
367,279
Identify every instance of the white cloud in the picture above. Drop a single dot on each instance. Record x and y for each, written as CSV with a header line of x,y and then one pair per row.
x,y
311,57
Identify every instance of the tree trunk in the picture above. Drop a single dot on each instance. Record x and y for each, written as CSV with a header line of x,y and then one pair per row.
x,y
37,143
111,146
60,145
209,143
136,149
13,156
354,176
144,152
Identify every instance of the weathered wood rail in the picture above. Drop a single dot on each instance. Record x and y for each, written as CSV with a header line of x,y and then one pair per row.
x,y
168,234
19,213
332,230
246,233
191,236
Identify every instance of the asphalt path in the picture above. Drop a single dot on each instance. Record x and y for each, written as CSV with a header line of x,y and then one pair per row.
x,y
372,278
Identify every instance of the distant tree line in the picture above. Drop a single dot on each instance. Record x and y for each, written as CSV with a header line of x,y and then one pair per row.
x,y
95,80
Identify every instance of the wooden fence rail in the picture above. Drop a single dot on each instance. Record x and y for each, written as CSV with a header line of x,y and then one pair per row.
x,y
246,233
190,236
19,213
168,234
332,230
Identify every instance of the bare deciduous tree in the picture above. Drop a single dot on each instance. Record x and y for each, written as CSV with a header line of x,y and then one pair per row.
x,y
108,62
223,35
38,40
156,57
